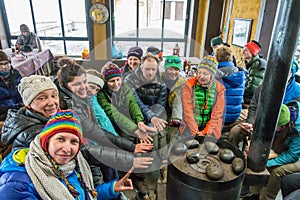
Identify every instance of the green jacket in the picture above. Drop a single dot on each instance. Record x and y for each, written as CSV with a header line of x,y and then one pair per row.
x,y
256,70
121,108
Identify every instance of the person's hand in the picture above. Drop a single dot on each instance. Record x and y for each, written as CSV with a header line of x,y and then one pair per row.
x,y
144,128
246,151
124,183
143,136
142,162
246,128
158,123
142,148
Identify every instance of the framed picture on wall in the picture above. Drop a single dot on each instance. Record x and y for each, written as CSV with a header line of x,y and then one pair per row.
x,y
241,31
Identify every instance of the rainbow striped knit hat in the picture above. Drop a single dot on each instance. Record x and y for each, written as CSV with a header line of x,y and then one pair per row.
x,y
62,121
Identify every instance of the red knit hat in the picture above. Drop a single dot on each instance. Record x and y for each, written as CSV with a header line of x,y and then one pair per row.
x,y
254,47
62,121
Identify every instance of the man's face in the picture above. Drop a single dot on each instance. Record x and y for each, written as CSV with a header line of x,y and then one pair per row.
x,y
4,66
247,54
149,69
25,33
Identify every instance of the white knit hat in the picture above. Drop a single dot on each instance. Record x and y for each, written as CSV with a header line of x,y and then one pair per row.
x,y
94,79
31,86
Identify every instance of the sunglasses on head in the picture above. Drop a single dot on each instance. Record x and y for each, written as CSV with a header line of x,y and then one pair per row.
x,y
173,61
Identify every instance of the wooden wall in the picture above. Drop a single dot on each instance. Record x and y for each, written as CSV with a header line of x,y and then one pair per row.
x,y
243,9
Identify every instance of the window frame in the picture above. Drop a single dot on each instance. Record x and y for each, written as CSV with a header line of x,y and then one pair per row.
x,y
162,39
63,38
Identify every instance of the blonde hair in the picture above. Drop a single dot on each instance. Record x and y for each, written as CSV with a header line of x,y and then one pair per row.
x,y
93,72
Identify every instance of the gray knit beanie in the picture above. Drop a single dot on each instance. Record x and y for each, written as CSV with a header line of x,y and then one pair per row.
x,y
24,27
31,86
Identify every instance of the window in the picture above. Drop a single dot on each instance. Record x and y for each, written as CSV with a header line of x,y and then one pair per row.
x,y
60,24
144,23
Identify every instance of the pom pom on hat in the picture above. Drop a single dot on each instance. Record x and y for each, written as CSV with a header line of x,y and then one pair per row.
x,y
94,79
31,86
24,27
173,61
4,56
155,51
254,47
210,63
63,121
111,73
136,52
216,41
284,116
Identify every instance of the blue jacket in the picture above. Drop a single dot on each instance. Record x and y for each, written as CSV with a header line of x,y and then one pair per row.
x,y
292,91
292,154
9,95
234,82
16,184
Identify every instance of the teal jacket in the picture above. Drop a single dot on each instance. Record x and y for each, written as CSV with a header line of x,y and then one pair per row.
x,y
101,116
256,70
121,108
292,154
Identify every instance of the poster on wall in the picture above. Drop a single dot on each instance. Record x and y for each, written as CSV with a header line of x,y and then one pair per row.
x,y
241,31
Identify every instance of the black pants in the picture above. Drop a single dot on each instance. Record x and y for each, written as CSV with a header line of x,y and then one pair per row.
x,y
290,183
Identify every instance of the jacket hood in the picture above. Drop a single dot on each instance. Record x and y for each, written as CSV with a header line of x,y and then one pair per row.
x,y
234,80
296,105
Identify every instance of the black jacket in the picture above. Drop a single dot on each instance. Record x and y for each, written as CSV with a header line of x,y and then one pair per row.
x,y
151,97
21,126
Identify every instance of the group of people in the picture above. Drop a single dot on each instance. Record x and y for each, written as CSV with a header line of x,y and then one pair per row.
x,y
83,128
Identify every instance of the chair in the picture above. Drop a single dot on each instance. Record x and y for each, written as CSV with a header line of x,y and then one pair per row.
x,y
38,42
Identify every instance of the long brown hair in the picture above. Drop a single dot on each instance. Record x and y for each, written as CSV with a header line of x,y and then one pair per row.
x,y
67,73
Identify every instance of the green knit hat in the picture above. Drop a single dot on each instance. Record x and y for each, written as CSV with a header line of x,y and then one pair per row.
x,y
216,41
284,116
173,61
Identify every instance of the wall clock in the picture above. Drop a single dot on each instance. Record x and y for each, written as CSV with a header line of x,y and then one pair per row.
x,y
99,13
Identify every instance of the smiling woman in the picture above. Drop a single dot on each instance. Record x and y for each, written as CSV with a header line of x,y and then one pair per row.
x,y
33,172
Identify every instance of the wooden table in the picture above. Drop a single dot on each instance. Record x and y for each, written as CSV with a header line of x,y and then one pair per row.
x,y
36,63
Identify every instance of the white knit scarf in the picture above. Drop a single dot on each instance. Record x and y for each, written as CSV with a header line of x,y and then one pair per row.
x,y
45,178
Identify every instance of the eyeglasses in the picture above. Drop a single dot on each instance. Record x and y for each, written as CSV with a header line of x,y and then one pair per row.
x,y
177,61
7,64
